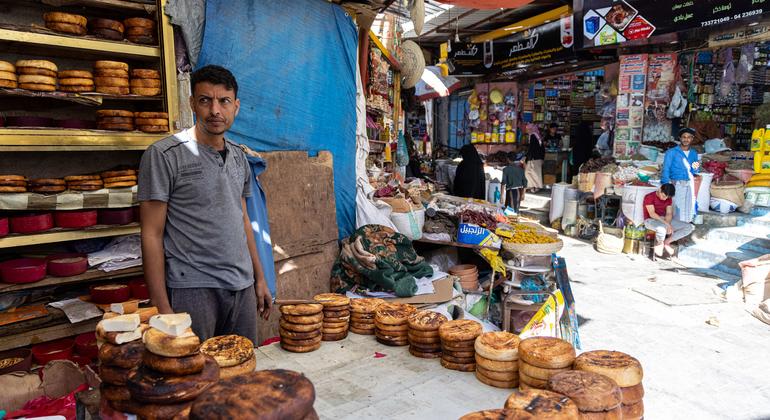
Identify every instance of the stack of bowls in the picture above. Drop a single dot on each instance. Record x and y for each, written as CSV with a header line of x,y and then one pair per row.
x,y
468,274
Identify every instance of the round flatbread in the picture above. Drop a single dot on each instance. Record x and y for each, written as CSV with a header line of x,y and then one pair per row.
x,y
392,328
426,321
33,71
547,352
13,178
425,347
105,33
498,415
301,349
8,84
76,74
334,337
126,356
502,346
114,375
152,411
176,366
7,75
244,368
145,83
37,64
47,181
544,404
13,189
632,394
298,335
149,386
115,120
76,82
139,22
145,91
151,121
422,340
66,28
113,392
458,345
76,89
337,330
167,345
37,87
498,376
302,309
41,80
613,414
416,352
332,325
119,179
365,305
105,64
151,115
111,81
391,341
360,331
393,313
305,342
228,350
332,300
460,360
590,391
113,25
355,316
363,325
495,383
114,127
48,190
121,172
65,18
6,66
304,319
13,183
468,367
289,326
533,382
145,74
459,330
538,372
153,128
119,73
272,394
460,354
112,90
620,367
424,334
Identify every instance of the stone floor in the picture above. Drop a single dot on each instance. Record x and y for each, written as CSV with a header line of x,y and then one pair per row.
x,y
703,358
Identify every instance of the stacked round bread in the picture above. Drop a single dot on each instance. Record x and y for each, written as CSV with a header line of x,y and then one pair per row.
x,y
391,323
107,29
47,185
424,341
13,184
266,394
458,338
497,354
542,357
596,396
76,81
499,414
362,315
37,75
151,122
336,315
625,370
172,375
84,182
140,30
234,354
145,82
65,23
115,119
543,404
301,327
120,178
8,78
120,354
111,77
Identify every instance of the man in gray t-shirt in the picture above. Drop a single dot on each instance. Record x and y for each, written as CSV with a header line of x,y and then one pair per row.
x,y
197,241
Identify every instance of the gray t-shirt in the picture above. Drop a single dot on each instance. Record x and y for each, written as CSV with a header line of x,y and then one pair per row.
x,y
204,240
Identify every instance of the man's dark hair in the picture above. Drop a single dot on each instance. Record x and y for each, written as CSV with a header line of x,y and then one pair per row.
x,y
216,75
668,189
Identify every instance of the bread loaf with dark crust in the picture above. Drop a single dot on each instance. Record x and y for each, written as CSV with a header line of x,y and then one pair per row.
x,y
149,386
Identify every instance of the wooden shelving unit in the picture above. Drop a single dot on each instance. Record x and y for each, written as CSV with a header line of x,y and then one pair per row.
x,y
80,44
88,276
53,332
129,6
51,237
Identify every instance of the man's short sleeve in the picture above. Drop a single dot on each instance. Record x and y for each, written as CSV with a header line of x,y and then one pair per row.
x,y
247,181
156,178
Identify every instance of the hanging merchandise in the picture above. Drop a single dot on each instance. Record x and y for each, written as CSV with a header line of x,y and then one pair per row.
x,y
661,78
728,74
417,14
412,64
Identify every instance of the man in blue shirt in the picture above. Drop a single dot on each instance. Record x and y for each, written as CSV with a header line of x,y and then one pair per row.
x,y
679,168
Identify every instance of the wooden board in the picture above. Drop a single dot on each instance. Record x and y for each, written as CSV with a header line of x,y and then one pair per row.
x,y
303,226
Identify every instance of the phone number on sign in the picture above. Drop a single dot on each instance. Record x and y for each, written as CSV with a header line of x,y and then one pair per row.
x,y
726,19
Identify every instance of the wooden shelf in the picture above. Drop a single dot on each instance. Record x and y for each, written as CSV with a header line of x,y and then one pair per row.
x,y
90,275
68,235
454,244
49,333
52,139
122,49
124,5
88,99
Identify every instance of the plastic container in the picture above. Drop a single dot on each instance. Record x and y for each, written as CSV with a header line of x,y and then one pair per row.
x,y
75,219
85,345
53,350
32,223
558,194
4,227
23,270
67,265
116,216
139,289
22,365
110,293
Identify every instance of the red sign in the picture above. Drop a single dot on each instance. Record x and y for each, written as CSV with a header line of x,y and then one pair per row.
x,y
639,28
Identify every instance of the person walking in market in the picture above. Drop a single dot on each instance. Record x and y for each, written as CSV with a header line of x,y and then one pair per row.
x,y
515,182
680,166
659,216
534,159
198,246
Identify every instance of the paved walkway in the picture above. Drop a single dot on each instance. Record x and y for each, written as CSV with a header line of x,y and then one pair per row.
x,y
658,313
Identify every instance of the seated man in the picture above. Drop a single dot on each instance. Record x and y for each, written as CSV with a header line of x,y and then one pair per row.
x,y
659,214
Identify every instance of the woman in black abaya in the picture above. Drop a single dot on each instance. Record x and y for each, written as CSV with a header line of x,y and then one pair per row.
x,y
469,179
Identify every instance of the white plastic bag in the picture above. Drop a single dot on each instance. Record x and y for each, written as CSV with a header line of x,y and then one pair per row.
x,y
722,206
409,224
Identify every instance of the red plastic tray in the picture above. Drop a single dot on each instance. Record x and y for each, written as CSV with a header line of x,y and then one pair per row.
x,y
23,270
76,219
59,268
32,223
114,295
4,227
53,350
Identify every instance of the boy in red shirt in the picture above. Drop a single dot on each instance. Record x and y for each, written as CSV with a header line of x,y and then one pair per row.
x,y
659,214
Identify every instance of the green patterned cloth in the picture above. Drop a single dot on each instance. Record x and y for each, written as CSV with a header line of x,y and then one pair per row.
x,y
379,259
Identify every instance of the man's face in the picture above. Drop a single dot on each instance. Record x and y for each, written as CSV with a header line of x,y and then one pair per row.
x,y
662,195
552,130
215,107
686,139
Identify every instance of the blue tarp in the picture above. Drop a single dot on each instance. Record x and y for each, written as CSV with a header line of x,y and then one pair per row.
x,y
295,62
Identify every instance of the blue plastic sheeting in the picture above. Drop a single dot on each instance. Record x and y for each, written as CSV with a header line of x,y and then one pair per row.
x,y
295,62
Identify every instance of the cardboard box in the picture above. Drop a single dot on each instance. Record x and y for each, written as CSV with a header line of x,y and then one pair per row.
x,y
60,377
442,293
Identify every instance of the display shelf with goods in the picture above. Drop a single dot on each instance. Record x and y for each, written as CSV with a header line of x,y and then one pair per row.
x,y
62,235
492,116
47,333
381,90
729,104
89,276
24,37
